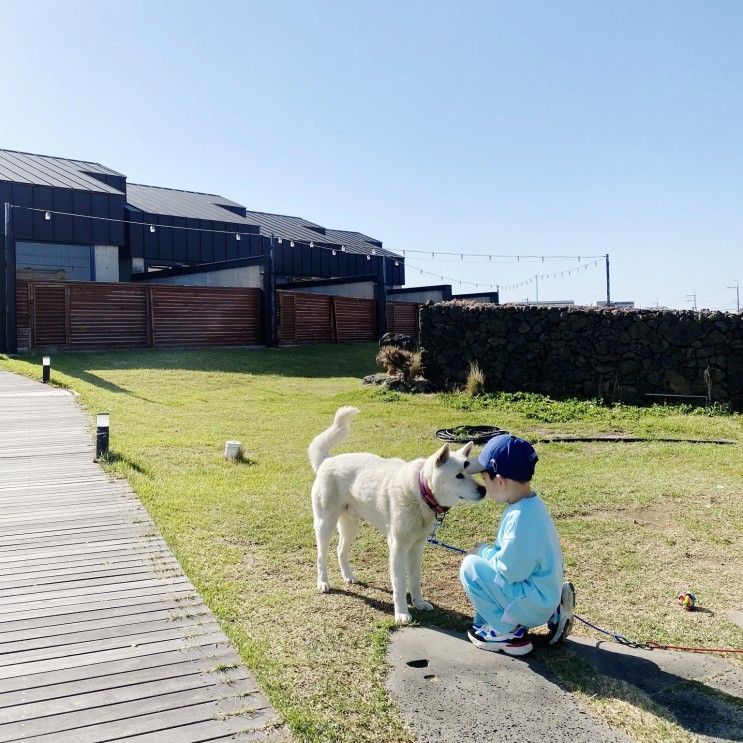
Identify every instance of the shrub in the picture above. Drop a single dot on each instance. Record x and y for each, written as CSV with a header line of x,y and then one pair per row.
x,y
416,365
395,361
475,384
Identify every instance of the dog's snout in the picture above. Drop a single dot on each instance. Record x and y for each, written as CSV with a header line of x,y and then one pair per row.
x,y
481,491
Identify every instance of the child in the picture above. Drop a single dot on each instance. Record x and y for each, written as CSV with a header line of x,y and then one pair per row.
x,y
517,583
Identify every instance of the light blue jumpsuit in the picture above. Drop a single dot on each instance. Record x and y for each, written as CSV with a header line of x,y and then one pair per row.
x,y
518,580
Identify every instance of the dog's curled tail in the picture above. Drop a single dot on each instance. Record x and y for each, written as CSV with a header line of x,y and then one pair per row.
x,y
319,450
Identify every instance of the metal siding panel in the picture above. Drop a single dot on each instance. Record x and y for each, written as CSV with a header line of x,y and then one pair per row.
x,y
43,198
23,317
179,239
192,242
206,242
62,223
164,238
22,220
6,192
232,245
149,239
81,229
98,228
116,211
218,241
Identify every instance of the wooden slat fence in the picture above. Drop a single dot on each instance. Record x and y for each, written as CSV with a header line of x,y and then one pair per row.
x,y
321,318
402,317
78,315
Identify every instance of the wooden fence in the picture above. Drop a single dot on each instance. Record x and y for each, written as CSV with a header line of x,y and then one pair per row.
x,y
79,315
321,318
402,317
306,317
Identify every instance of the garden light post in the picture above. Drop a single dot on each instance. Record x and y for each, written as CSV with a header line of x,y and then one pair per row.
x,y
46,365
101,435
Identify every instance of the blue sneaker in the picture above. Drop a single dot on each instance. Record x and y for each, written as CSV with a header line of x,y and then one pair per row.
x,y
560,624
484,637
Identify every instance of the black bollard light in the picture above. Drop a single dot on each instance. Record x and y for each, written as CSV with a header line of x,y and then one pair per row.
x,y
46,365
101,435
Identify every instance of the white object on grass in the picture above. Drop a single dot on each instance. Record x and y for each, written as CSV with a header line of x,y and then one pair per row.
x,y
232,450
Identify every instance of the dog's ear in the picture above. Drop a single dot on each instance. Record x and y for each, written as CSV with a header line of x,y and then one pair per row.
x,y
466,449
442,455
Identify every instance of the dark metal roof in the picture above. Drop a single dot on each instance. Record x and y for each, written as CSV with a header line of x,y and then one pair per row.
x,y
176,203
58,172
296,228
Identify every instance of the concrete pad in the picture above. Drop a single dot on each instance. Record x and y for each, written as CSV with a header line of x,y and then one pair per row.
x,y
468,695
704,692
737,617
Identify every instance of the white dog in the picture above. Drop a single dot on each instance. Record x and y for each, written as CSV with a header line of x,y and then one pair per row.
x,y
401,499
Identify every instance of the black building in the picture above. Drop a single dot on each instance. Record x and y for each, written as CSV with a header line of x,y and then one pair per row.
x,y
76,220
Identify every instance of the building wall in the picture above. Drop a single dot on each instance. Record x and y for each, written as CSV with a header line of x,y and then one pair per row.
x,y
359,289
421,297
69,262
243,276
106,266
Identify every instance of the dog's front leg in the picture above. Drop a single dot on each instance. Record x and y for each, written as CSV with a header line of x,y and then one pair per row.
x,y
398,565
415,561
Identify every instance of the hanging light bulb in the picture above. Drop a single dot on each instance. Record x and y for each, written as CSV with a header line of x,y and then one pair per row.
x,y
237,236
397,263
47,216
334,253
368,257
343,248
281,240
374,251
312,245
152,228
291,244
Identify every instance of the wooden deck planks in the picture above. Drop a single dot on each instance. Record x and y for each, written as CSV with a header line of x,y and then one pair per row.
x,y
102,637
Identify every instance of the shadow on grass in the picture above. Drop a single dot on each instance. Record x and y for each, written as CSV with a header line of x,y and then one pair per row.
x,y
693,705
311,361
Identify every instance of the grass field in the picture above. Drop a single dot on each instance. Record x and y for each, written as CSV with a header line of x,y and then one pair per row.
x,y
638,521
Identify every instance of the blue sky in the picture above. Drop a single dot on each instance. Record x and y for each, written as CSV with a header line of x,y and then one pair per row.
x,y
539,128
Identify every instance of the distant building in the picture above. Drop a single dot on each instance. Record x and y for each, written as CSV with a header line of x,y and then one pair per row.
x,y
620,305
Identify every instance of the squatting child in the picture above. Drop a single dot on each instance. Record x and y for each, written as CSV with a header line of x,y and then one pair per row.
x,y
516,583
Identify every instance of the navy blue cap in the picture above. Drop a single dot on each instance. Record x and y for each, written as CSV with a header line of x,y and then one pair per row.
x,y
508,456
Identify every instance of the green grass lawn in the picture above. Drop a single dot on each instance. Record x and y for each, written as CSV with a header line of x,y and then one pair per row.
x,y
638,521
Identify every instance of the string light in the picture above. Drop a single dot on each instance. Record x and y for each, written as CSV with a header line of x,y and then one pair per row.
x,y
334,253
152,228
47,216
237,237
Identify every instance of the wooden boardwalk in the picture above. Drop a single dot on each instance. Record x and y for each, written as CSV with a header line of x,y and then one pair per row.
x,y
102,637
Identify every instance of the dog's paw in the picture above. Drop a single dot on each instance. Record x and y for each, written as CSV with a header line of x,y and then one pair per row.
x,y
323,586
422,605
350,579
403,618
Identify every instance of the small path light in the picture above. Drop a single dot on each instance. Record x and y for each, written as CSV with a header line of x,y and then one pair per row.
x,y
232,450
101,435
46,365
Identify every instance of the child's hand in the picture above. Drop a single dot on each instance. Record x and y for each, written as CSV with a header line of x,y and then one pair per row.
x,y
475,549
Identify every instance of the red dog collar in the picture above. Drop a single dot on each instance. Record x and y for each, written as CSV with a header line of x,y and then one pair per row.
x,y
428,497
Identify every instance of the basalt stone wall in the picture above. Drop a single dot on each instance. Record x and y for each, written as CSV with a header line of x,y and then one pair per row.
x,y
584,352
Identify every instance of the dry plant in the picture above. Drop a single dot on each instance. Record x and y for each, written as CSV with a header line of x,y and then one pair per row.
x,y
395,361
475,384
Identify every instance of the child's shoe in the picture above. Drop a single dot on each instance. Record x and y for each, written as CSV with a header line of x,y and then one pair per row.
x,y
483,636
560,624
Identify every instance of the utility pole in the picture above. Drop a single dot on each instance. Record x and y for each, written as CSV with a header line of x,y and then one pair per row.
x,y
608,282
737,295
693,299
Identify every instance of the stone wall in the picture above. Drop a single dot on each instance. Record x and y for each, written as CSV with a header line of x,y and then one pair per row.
x,y
584,352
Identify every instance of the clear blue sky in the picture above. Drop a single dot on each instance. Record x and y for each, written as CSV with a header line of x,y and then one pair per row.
x,y
540,127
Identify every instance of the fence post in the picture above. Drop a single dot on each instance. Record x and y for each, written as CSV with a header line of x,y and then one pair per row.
x,y
8,336
380,295
269,299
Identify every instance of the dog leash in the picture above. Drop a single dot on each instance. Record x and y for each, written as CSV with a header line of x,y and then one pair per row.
x,y
620,639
